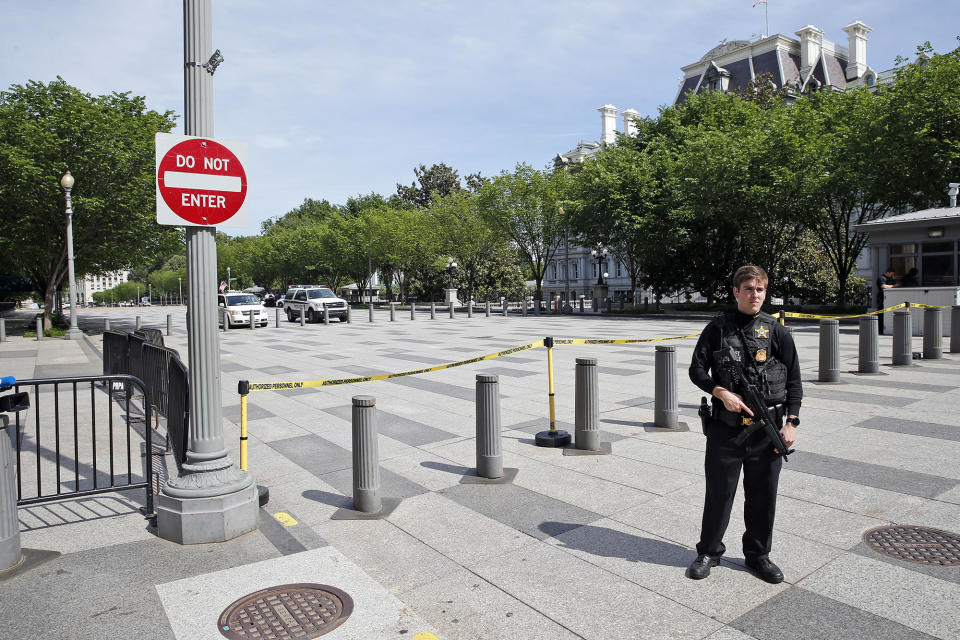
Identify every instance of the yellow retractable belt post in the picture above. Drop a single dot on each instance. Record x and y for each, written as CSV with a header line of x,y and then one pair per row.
x,y
783,317
243,388
553,437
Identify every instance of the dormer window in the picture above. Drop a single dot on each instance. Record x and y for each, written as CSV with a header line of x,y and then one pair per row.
x,y
716,78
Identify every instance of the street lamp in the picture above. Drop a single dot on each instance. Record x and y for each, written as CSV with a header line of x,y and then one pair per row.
x,y
451,265
73,333
180,289
567,308
600,255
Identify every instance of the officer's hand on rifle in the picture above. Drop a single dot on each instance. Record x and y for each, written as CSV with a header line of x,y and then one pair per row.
x,y
789,433
733,402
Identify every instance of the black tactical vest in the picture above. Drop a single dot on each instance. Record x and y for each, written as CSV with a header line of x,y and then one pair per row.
x,y
752,348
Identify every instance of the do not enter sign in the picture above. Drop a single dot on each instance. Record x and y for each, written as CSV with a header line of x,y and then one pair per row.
x,y
200,181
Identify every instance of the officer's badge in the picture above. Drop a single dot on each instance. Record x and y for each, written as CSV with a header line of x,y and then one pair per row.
x,y
762,332
761,355
745,421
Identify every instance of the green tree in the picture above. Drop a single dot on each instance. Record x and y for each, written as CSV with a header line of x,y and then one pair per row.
x,y
438,179
524,206
107,144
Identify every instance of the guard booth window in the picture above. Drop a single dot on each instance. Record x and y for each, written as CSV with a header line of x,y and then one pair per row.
x,y
903,258
937,264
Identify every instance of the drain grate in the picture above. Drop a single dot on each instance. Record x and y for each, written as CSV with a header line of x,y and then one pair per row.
x,y
916,544
286,612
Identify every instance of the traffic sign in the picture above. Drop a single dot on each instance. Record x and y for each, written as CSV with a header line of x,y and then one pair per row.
x,y
200,181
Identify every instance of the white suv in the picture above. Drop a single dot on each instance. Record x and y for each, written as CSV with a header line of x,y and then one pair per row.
x,y
312,300
238,307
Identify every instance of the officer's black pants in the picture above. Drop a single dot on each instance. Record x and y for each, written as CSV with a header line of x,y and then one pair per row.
x,y
761,471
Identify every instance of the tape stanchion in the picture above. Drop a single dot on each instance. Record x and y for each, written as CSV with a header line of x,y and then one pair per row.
x,y
817,316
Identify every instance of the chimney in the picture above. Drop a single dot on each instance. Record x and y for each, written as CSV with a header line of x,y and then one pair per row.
x,y
608,124
629,125
857,45
810,38
952,192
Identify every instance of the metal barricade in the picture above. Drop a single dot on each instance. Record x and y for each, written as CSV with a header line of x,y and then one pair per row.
x,y
178,408
116,359
72,442
135,342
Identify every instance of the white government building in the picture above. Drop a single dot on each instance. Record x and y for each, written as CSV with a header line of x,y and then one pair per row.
x,y
806,63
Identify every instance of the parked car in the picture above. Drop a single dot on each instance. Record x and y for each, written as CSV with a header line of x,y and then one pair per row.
x,y
238,307
313,300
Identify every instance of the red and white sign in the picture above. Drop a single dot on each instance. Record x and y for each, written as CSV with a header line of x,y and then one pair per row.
x,y
200,182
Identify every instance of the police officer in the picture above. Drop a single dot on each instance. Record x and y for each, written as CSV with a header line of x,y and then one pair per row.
x,y
768,357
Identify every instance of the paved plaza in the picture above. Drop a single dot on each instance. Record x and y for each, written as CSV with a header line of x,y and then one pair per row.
x,y
591,546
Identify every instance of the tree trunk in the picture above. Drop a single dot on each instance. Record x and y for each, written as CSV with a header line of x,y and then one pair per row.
x,y
49,300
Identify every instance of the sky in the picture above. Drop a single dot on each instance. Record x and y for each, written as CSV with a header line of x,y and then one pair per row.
x,y
337,99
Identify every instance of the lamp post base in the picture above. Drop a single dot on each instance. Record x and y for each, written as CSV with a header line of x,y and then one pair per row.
x,y
73,333
208,519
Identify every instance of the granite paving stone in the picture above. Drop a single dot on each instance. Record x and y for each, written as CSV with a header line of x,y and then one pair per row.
x,y
912,599
397,427
799,614
912,427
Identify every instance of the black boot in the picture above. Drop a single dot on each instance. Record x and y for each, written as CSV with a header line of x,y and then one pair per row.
x,y
765,570
700,568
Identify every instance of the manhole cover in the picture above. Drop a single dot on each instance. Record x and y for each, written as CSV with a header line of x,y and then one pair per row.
x,y
916,544
287,612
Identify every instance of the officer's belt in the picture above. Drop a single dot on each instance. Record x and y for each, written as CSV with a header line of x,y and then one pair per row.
x,y
732,419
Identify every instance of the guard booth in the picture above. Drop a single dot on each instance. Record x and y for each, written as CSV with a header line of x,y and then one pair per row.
x,y
922,248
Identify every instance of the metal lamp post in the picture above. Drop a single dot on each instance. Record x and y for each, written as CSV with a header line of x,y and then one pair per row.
x,y
567,308
73,333
180,289
451,265
600,255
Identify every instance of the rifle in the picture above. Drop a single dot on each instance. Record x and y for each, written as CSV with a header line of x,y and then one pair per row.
x,y
761,418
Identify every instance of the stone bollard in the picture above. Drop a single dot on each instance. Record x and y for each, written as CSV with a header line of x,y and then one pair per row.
x,y
609,304
393,312
433,310
523,306
489,451
955,329
3,330
666,407
829,350
932,334
106,324
587,405
253,320
10,552
303,318
868,358
226,319
452,310
349,314
39,327
138,325
413,310
326,315
487,309
902,338
366,457
276,318
169,324
581,304
370,311
469,308
504,307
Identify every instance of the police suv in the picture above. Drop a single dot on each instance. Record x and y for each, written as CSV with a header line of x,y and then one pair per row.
x,y
237,307
312,300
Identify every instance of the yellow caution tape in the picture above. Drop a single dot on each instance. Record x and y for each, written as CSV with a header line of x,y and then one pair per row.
x,y
306,384
625,341
791,314
902,305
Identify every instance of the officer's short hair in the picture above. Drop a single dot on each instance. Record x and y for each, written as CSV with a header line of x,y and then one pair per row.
x,y
749,272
